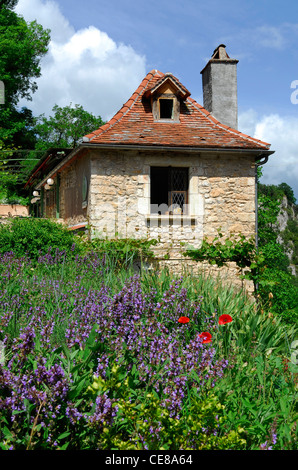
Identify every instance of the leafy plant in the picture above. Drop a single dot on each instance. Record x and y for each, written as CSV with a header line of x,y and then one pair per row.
x,y
238,249
277,278
146,424
34,237
260,396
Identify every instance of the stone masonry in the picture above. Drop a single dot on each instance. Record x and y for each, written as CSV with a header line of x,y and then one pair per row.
x,y
221,195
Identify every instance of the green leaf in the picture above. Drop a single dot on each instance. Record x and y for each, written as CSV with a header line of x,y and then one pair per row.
x,y
7,433
92,336
63,435
284,405
64,447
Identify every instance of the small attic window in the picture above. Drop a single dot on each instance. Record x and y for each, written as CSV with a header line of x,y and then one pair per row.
x,y
166,96
166,108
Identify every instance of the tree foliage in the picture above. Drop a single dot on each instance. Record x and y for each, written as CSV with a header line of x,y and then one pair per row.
x,y
8,3
22,46
278,280
66,127
7,179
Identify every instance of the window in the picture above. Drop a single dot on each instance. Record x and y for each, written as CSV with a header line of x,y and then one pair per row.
x,y
169,190
166,108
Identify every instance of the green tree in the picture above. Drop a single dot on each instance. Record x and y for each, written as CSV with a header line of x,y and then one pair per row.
x,y
66,127
7,178
268,210
22,47
288,191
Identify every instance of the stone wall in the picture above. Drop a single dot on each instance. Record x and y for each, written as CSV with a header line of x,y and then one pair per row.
x,y
221,195
13,210
229,275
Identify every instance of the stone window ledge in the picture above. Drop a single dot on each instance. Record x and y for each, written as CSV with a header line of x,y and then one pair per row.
x,y
154,220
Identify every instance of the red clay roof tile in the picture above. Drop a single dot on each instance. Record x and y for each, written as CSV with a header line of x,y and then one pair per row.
x,y
134,124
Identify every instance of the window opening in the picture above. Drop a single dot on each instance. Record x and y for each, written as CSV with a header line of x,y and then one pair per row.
x,y
166,108
169,190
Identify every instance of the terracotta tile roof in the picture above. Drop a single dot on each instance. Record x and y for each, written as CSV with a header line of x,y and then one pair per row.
x,y
134,124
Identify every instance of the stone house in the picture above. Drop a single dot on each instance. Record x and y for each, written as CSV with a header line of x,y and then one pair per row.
x,y
163,167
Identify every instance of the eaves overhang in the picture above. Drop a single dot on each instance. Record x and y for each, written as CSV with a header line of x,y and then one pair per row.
x,y
176,148
257,153
51,174
49,161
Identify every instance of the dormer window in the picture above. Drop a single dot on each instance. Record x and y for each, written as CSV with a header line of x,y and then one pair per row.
x,y
166,108
166,96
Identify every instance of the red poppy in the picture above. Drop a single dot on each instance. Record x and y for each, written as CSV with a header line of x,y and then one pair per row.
x,y
206,337
183,320
223,319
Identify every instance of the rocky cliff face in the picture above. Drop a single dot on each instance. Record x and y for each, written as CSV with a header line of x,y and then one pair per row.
x,y
287,220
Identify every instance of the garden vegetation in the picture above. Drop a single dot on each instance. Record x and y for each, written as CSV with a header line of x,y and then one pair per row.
x,y
95,355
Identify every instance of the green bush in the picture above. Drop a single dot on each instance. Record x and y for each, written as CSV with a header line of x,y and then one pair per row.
x,y
148,425
281,285
35,237
290,316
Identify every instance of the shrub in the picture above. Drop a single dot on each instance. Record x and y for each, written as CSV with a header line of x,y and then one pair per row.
x,y
35,237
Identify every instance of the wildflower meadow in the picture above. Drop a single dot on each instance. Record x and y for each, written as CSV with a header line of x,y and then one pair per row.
x,y
95,355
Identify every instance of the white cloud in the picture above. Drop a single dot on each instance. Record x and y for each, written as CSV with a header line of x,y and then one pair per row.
x,y
282,133
84,67
250,41
270,36
48,14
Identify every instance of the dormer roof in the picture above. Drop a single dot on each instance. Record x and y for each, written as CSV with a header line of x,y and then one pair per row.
x,y
167,82
134,123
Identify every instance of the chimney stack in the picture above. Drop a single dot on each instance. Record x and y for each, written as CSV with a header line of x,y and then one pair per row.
x,y
220,87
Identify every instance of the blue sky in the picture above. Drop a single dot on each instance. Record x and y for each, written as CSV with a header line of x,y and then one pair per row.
x,y
101,50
